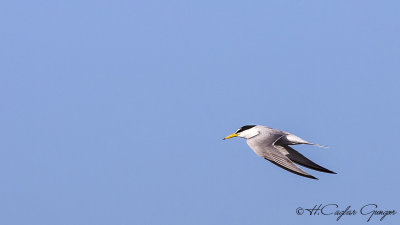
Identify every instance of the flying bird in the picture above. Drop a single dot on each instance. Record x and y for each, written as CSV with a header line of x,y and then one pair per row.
x,y
273,145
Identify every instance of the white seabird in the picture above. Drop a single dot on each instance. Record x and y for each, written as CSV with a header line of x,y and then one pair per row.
x,y
273,145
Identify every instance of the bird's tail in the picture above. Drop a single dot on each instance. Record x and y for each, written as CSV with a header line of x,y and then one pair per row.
x,y
321,146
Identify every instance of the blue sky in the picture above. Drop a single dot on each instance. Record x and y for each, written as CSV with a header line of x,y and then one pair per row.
x,y
113,112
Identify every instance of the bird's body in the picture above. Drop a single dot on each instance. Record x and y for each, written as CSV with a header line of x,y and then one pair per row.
x,y
273,145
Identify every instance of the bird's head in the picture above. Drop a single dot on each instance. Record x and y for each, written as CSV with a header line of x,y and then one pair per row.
x,y
247,131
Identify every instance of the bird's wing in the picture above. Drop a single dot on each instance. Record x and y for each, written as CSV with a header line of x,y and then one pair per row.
x,y
264,146
276,157
300,159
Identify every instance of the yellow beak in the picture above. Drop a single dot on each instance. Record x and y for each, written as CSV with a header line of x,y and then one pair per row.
x,y
231,136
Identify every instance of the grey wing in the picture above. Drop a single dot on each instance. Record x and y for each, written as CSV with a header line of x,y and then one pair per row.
x,y
276,157
300,159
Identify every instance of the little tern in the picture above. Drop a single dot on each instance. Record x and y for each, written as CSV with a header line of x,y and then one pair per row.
x,y
273,145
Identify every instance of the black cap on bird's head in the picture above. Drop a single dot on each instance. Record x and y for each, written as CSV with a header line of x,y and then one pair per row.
x,y
244,128
239,130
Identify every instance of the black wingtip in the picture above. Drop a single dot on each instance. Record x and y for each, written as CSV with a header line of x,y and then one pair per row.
x,y
312,177
308,176
300,159
324,170
292,171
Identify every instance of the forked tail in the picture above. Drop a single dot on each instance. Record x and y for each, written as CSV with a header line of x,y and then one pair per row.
x,y
321,146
